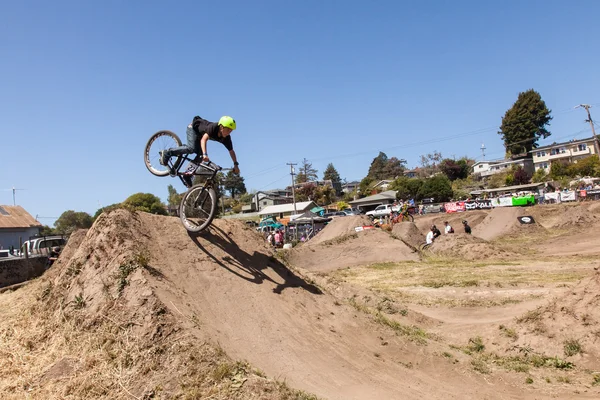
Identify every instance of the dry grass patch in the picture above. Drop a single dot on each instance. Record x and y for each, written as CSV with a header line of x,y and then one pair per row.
x,y
442,272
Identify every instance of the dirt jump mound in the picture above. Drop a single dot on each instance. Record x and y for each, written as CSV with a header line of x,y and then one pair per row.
x,y
576,216
500,221
467,247
341,226
409,233
566,328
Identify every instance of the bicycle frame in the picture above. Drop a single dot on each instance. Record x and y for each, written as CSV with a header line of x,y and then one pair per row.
x,y
210,166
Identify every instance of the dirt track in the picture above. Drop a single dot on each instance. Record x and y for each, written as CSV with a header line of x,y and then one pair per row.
x,y
345,333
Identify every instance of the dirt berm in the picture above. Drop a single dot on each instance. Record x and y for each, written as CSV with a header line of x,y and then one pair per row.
x,y
141,309
338,245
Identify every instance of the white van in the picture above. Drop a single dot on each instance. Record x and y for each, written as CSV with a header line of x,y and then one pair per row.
x,y
43,245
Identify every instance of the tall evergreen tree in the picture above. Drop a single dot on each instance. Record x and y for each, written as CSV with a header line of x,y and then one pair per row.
x,y
331,174
377,168
394,168
306,172
525,123
234,183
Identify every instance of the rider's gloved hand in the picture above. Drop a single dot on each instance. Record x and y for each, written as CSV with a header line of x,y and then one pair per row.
x,y
205,158
236,170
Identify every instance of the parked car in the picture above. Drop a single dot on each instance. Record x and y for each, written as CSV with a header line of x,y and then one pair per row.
x,y
267,225
382,211
352,211
43,245
334,214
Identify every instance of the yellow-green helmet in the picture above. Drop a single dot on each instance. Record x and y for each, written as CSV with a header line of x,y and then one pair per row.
x,y
227,122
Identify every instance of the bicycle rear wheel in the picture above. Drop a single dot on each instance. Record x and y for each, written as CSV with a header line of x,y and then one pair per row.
x,y
161,140
198,208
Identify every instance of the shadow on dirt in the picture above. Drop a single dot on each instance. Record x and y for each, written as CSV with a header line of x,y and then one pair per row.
x,y
247,266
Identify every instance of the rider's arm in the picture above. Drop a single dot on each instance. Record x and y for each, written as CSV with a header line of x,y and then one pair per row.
x,y
236,169
203,141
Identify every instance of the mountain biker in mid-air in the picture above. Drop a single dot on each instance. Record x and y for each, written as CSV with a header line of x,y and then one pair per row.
x,y
199,132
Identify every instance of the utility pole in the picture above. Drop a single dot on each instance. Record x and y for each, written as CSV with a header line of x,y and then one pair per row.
x,y
482,152
292,172
587,108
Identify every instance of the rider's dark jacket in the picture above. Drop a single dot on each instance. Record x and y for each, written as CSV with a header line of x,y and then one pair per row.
x,y
202,126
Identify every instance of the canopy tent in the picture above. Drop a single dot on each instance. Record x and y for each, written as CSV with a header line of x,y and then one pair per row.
x,y
317,209
308,217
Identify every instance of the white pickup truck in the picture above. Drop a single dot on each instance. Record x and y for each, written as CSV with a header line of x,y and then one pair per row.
x,y
382,211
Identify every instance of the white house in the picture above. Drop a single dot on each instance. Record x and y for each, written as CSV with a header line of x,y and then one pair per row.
x,y
16,226
571,151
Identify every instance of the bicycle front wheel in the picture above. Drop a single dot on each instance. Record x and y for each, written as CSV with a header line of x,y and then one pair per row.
x,y
160,141
198,208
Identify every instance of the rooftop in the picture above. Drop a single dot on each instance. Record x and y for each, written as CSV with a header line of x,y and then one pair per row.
x,y
16,217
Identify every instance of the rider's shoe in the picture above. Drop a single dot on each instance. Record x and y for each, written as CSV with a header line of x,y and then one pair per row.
x,y
163,158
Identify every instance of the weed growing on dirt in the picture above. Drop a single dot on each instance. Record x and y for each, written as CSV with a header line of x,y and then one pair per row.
x,y
413,333
596,380
529,380
572,347
340,239
140,259
531,316
476,345
74,268
509,332
563,379
79,301
480,366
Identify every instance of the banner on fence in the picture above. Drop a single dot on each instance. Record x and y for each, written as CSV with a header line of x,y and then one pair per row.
x,y
456,206
523,200
567,196
502,202
552,196
478,204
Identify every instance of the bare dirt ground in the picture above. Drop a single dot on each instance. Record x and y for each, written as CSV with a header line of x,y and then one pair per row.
x,y
137,308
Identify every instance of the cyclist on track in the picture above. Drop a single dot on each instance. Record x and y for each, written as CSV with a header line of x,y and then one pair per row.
x,y
199,132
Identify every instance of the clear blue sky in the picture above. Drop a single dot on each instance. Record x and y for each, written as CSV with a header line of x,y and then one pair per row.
x,y
85,84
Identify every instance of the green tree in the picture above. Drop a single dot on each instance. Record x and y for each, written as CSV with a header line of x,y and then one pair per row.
x,y
497,180
589,166
331,174
539,175
324,195
70,221
377,167
47,231
455,169
525,123
406,188
430,163
146,202
394,168
234,183
306,192
306,172
559,170
174,198
365,186
438,187
106,209
246,198
342,205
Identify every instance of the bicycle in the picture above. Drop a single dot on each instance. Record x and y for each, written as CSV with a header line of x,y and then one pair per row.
x,y
199,204
403,216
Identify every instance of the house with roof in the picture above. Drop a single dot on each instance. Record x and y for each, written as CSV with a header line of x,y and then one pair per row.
x,y
16,226
370,202
488,168
287,210
382,185
350,187
571,151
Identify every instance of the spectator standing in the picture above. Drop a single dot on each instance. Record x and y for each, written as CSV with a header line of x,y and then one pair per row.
x,y
271,239
467,227
448,229
278,239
